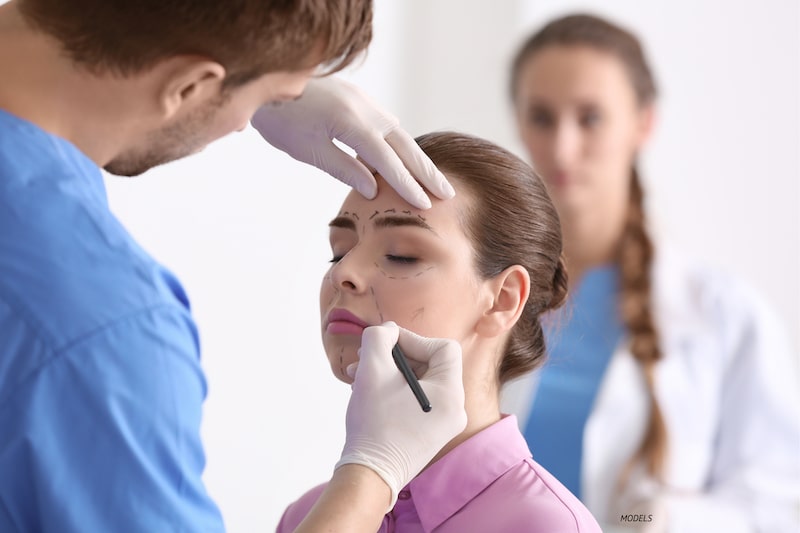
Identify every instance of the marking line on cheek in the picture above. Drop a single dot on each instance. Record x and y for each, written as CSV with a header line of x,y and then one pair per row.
x,y
378,307
392,210
385,274
376,213
418,274
355,216
421,272
406,212
417,313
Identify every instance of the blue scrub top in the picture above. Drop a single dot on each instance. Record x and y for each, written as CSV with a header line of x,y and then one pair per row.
x,y
580,338
100,384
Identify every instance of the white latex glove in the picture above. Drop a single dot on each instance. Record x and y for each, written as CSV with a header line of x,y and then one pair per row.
x,y
334,109
387,430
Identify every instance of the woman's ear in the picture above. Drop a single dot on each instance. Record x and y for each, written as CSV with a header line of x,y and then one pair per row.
x,y
186,82
646,120
510,290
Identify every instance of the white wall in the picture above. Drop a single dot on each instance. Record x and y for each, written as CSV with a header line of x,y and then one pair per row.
x,y
242,229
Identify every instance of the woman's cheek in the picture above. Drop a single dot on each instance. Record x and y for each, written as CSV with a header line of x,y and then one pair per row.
x,y
404,301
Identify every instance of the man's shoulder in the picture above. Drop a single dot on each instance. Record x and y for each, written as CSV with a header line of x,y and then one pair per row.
x,y
64,278
68,268
67,265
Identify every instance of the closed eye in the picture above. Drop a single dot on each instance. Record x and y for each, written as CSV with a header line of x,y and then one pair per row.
x,y
402,259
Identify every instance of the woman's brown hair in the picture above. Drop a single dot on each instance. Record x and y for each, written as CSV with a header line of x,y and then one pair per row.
x,y
635,251
247,37
510,220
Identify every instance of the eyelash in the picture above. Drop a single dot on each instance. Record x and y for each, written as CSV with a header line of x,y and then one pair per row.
x,y
394,258
402,259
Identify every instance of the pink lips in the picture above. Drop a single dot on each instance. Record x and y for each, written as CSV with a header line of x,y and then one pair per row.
x,y
343,322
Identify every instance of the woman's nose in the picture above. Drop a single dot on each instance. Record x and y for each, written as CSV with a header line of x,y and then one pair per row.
x,y
348,273
566,144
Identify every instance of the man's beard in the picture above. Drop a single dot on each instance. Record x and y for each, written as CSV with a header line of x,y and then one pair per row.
x,y
167,144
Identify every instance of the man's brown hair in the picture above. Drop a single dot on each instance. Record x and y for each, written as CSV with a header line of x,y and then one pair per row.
x,y
248,37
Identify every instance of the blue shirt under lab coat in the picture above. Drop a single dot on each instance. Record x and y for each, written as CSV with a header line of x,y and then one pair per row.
x,y
100,383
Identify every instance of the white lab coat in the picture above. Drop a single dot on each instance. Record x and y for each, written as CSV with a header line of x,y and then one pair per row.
x,y
728,388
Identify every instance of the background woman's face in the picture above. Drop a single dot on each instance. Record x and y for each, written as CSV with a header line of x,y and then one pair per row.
x,y
579,119
392,261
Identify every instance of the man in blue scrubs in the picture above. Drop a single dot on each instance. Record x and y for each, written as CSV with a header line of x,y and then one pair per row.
x,y
100,383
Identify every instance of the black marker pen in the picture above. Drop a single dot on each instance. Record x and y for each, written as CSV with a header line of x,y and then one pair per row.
x,y
401,362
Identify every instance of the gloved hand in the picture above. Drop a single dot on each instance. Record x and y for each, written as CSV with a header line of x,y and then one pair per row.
x,y
333,109
387,429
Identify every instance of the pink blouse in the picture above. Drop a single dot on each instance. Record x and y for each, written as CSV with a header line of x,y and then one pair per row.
x,y
487,484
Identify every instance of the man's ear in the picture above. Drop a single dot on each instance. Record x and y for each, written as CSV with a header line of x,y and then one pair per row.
x,y
510,290
186,82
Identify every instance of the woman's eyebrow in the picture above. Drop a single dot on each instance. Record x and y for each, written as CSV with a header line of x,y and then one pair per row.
x,y
393,221
343,222
389,221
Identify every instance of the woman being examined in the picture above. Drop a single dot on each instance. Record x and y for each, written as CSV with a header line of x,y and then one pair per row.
x,y
481,268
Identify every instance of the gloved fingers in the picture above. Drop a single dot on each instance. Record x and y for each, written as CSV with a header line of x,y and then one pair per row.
x,y
419,164
375,355
378,154
346,169
445,363
421,349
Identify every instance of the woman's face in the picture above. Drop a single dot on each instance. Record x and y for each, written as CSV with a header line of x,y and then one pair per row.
x,y
579,118
392,261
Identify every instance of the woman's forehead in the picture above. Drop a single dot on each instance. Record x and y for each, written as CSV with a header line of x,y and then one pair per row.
x,y
388,198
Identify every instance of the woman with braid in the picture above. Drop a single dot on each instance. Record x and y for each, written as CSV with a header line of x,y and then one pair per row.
x,y
668,401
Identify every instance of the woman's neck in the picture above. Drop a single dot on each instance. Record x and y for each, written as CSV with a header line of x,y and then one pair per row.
x,y
589,241
481,400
